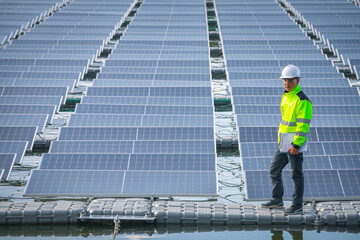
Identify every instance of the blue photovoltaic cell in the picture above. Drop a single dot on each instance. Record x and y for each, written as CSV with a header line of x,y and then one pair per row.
x,y
19,134
263,163
153,92
179,110
114,100
180,101
18,147
36,91
174,147
345,161
91,146
173,162
118,91
94,120
319,184
181,92
33,100
24,120
337,134
24,109
168,183
70,83
110,109
350,180
97,133
77,183
177,120
175,133
104,161
341,148
7,162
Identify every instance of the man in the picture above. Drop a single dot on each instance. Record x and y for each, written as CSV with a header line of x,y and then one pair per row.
x,y
296,111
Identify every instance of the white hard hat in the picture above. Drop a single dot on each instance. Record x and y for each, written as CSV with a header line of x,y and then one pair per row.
x,y
290,71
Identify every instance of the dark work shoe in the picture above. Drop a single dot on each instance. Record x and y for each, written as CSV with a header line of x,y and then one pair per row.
x,y
293,210
272,204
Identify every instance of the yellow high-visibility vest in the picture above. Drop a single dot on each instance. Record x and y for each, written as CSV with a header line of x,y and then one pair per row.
x,y
296,111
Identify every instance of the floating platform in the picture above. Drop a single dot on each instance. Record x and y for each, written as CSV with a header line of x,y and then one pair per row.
x,y
346,213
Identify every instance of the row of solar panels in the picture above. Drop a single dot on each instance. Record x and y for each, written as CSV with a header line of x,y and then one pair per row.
x,y
18,16
333,23
256,93
44,64
141,141
24,112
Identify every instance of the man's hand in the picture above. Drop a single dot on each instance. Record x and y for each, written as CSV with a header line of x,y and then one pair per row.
x,y
293,151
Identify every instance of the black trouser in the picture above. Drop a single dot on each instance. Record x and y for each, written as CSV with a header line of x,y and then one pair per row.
x,y
279,161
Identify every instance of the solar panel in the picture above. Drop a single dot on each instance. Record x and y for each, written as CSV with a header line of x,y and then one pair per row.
x,y
336,148
175,133
319,184
181,92
166,183
173,162
24,120
180,101
109,109
104,120
19,134
345,161
88,146
154,91
98,133
45,82
14,147
338,133
103,161
6,163
350,181
177,121
29,109
171,146
179,110
36,91
74,183
2,173
36,100
114,100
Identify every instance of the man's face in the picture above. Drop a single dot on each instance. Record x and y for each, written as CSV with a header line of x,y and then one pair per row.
x,y
290,83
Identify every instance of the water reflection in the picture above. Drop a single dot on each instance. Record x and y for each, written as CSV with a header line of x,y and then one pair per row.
x,y
278,235
85,230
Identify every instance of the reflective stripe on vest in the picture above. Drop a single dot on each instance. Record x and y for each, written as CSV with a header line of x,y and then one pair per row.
x,y
303,120
290,124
